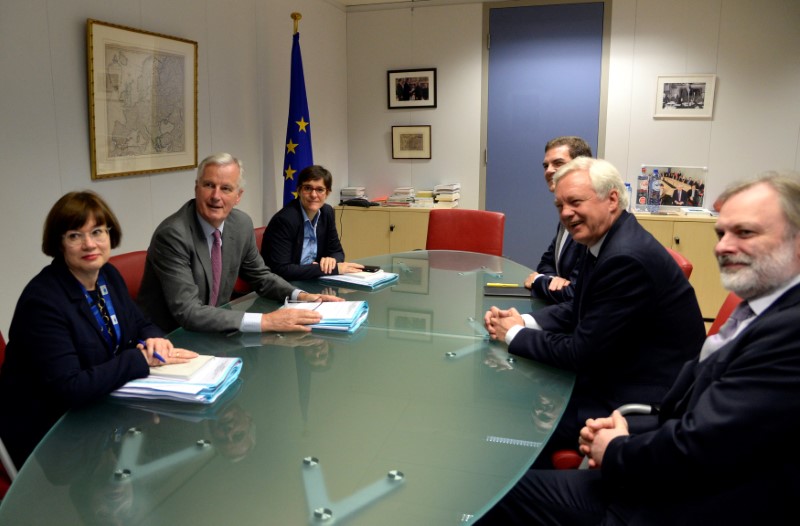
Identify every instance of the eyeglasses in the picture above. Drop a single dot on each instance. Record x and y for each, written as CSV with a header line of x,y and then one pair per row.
x,y
74,238
311,189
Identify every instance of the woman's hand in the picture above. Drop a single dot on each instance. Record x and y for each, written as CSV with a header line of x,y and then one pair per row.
x,y
153,347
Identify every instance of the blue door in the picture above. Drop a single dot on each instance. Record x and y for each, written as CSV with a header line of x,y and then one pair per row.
x,y
544,82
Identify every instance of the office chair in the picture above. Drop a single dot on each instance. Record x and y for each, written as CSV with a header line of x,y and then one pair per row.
x,y
571,459
685,265
466,230
9,472
131,266
241,287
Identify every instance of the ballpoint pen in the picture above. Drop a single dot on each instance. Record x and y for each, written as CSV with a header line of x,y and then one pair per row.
x,y
155,353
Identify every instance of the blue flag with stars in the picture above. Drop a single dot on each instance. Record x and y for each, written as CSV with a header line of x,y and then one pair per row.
x,y
298,131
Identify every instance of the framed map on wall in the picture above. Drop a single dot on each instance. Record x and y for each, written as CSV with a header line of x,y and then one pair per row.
x,y
142,101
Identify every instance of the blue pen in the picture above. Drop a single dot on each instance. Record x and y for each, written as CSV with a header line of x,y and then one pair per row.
x,y
158,356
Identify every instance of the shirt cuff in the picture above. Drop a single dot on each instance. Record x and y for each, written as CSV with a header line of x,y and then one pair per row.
x,y
530,323
251,322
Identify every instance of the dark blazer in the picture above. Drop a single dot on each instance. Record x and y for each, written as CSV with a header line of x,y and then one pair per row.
x,y
176,286
727,425
282,246
57,358
567,265
632,324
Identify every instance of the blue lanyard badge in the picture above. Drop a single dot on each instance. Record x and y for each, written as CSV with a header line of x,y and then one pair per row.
x,y
104,314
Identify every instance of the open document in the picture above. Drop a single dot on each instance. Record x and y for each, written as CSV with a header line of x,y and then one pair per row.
x,y
370,280
345,316
202,386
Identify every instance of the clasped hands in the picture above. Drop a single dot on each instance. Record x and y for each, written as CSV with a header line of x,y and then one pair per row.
x,y
598,433
497,322
164,348
295,320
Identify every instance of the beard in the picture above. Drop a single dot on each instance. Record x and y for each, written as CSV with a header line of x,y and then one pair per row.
x,y
762,274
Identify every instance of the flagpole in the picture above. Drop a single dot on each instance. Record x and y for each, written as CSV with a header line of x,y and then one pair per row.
x,y
296,17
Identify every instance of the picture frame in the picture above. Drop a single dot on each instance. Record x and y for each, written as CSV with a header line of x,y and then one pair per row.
x,y
411,88
142,101
410,325
684,96
411,142
413,275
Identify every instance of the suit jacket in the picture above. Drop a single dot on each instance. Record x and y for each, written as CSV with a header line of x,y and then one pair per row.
x,y
176,286
282,246
679,197
565,264
57,358
726,426
632,324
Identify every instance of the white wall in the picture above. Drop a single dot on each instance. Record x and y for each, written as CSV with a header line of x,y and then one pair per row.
x,y
243,97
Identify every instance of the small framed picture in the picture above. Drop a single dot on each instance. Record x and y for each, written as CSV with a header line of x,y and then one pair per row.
x,y
413,275
411,142
685,96
410,325
411,88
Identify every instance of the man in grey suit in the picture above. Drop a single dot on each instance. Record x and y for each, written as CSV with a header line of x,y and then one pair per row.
x,y
178,285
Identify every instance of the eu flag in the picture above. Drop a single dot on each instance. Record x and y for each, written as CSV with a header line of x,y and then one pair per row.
x,y
298,131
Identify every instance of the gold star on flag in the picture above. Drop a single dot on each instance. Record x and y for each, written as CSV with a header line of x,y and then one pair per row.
x,y
302,124
290,173
290,146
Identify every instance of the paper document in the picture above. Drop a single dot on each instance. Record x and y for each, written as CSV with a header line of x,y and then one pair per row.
x,y
370,280
204,386
181,370
344,316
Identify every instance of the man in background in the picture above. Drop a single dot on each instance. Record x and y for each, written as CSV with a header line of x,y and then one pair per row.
x,y
721,453
617,334
197,253
557,272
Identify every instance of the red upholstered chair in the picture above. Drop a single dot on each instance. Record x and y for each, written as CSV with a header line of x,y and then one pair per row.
x,y
8,472
685,265
725,311
466,230
131,266
241,287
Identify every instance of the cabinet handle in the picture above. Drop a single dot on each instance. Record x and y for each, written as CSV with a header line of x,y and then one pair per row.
x,y
677,240
391,228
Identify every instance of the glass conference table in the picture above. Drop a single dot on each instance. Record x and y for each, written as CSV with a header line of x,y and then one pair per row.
x,y
415,419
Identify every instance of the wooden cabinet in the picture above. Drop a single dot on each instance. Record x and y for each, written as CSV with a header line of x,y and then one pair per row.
x,y
694,237
380,230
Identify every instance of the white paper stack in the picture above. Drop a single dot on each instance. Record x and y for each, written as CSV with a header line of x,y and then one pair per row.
x,y
447,195
172,382
369,280
340,316
349,192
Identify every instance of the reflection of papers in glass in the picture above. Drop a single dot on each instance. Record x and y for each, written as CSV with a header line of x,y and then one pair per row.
x,y
182,371
204,386
370,280
346,316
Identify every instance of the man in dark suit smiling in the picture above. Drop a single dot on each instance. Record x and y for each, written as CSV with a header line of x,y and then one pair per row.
x,y
613,333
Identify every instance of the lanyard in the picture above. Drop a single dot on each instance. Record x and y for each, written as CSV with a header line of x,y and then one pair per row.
x,y
98,316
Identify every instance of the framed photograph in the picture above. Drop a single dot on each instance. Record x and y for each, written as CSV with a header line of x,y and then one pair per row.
x,y
411,142
413,275
411,325
685,96
411,88
670,186
142,101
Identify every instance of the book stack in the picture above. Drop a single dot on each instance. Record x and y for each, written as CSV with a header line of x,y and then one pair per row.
x,y
352,192
423,199
447,195
402,196
201,380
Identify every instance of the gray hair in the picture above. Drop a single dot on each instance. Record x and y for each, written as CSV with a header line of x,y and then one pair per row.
x,y
603,175
221,159
787,186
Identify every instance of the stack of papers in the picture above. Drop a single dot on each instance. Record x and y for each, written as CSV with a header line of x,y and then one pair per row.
x,y
202,381
341,316
370,280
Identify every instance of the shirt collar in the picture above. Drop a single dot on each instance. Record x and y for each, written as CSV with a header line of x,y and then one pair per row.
x,y
306,219
207,228
595,249
761,304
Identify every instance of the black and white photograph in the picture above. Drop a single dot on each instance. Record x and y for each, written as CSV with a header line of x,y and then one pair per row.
x,y
688,97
